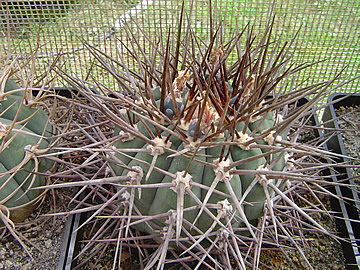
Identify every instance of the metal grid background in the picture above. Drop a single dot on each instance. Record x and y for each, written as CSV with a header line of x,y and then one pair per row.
x,y
330,30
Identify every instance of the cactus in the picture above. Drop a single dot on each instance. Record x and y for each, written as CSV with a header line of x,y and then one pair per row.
x,y
23,133
223,143
204,160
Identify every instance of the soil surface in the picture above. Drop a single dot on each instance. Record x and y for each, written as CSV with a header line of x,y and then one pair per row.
x,y
323,252
349,123
43,238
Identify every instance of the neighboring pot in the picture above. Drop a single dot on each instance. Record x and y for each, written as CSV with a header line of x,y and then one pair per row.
x,y
70,242
348,223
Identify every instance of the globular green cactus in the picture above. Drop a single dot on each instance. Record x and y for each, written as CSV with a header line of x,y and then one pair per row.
x,y
204,162
23,137
185,162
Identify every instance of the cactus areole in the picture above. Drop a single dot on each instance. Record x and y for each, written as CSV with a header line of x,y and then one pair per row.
x,y
23,133
201,151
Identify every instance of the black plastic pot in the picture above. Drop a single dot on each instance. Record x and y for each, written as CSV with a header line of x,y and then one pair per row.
x,y
348,223
70,242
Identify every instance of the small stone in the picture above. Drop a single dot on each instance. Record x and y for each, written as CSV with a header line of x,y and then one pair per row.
x,y
336,267
48,243
8,263
26,266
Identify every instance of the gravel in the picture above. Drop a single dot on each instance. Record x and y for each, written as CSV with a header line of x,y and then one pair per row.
x,y
323,252
44,235
349,123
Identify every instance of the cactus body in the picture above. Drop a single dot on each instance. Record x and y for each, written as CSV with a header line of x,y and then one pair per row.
x,y
20,144
178,156
206,161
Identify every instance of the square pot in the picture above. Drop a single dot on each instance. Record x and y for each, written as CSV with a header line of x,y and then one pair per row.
x,y
348,222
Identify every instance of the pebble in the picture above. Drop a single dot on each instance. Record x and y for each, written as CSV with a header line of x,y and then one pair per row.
x,y
48,243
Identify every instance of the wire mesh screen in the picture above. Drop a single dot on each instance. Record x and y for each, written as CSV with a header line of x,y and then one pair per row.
x,y
328,30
